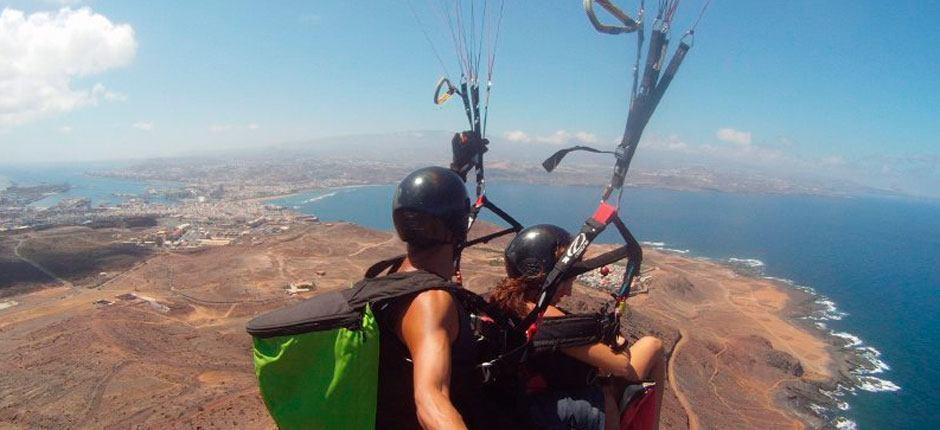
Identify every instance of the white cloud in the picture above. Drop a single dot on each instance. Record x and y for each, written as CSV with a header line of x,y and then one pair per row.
x,y
144,125
65,129
585,137
731,135
562,137
253,126
41,53
517,136
671,143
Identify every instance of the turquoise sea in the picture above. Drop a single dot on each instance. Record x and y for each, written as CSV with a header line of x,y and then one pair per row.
x,y
874,263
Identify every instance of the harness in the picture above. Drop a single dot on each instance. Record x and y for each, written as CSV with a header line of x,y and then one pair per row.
x,y
644,97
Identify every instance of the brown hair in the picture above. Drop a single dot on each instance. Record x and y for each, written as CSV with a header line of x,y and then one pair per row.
x,y
511,294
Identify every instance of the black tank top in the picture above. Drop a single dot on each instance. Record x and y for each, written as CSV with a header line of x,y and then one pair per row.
x,y
396,406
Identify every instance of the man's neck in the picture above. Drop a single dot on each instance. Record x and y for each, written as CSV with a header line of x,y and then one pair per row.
x,y
438,260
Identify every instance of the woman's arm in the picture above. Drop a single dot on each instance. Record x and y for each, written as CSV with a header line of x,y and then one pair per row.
x,y
599,355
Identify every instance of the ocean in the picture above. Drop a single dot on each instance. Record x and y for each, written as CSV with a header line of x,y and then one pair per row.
x,y
873,262
100,190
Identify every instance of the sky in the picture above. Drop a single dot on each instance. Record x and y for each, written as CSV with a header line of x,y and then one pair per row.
x,y
847,89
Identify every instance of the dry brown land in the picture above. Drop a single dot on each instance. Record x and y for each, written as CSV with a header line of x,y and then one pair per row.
x,y
170,350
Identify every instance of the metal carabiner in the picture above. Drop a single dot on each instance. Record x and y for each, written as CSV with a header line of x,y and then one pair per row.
x,y
439,98
629,24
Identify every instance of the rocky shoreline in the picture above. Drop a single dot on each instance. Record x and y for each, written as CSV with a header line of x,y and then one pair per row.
x,y
823,403
818,399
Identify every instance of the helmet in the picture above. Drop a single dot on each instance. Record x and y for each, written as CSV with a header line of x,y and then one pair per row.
x,y
431,207
533,252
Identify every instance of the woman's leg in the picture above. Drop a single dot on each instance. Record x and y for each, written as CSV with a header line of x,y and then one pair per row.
x,y
649,363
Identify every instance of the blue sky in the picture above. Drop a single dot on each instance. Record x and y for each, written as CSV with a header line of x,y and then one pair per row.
x,y
849,88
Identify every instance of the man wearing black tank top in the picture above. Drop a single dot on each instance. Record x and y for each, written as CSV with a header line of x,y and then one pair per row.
x,y
427,374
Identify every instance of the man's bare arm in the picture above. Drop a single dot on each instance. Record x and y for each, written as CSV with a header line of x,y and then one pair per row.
x,y
428,327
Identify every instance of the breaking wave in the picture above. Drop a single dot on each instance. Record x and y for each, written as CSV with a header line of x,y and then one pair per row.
x,y
843,423
852,339
752,263
318,198
877,385
868,362
661,246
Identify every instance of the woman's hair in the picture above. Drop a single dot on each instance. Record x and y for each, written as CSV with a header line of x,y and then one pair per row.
x,y
511,294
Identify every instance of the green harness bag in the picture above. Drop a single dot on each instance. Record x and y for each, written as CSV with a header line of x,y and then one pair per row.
x,y
317,361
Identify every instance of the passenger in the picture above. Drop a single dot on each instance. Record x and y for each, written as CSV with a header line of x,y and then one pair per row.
x,y
427,374
529,258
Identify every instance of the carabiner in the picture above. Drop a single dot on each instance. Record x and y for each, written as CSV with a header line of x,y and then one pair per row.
x,y
439,98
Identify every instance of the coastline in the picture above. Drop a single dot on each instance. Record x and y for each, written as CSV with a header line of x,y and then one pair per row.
x,y
817,400
330,190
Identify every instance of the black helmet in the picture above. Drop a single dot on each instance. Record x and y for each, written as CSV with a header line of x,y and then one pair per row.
x,y
431,207
533,251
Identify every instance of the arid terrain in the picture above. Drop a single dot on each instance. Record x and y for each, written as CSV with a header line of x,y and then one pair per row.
x,y
157,340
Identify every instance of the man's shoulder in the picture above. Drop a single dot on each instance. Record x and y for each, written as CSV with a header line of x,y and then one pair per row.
x,y
436,299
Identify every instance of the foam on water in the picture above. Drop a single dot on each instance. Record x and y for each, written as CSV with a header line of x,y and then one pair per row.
x,y
844,423
318,198
747,262
8,304
829,309
873,360
874,384
869,358
661,246
852,339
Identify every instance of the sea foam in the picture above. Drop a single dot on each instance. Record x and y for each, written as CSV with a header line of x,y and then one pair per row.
x,y
320,197
844,423
661,246
869,358
747,262
852,339
874,384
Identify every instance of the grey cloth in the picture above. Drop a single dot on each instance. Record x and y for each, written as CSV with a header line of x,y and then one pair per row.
x,y
572,409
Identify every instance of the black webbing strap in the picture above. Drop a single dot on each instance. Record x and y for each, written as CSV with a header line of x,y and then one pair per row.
x,y
390,264
552,162
599,261
591,229
483,202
